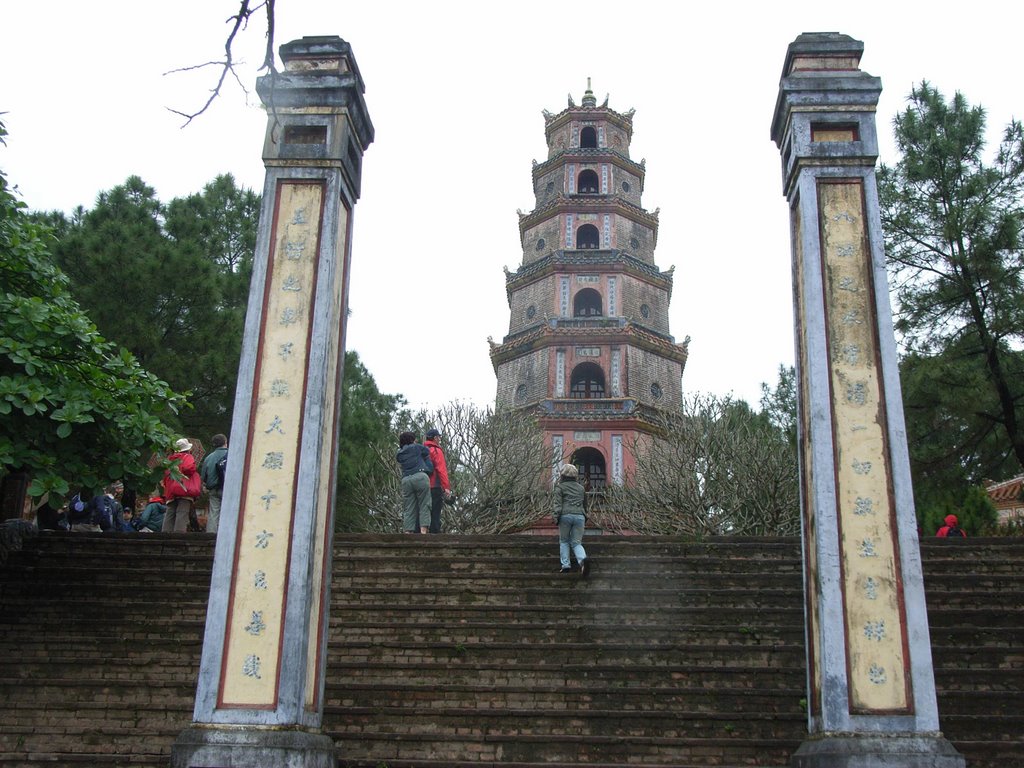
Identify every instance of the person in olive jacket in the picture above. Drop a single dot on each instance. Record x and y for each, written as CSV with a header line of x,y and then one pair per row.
x,y
569,508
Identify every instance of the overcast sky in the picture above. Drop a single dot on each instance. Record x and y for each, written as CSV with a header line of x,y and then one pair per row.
x,y
455,91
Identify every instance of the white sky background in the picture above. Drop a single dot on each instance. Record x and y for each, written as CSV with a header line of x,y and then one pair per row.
x,y
455,91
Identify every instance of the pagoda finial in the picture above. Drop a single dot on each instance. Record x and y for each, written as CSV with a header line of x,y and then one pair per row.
x,y
588,97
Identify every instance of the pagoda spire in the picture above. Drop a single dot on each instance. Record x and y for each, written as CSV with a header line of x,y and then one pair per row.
x,y
588,97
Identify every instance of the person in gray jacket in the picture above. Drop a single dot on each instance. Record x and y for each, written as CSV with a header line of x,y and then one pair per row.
x,y
414,459
569,508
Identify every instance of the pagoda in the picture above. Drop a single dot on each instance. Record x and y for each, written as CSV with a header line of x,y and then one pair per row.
x,y
588,345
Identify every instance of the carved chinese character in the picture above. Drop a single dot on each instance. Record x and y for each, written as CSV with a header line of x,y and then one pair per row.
x,y
857,393
299,217
285,350
256,624
293,249
867,548
259,580
875,630
291,283
863,506
877,674
274,460
848,284
845,250
853,318
251,666
289,316
844,216
851,354
268,497
263,539
275,426
871,588
279,388
861,467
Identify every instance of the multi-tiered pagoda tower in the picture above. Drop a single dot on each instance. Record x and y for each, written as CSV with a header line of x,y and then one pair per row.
x,y
588,344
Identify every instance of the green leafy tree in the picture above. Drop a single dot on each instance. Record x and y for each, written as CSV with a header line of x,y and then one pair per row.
x,y
169,283
75,410
778,405
953,444
974,510
953,238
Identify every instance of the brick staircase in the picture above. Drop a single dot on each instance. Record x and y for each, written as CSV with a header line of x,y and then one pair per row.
x,y
465,651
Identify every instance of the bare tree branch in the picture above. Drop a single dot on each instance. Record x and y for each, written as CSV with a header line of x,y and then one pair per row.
x,y
239,22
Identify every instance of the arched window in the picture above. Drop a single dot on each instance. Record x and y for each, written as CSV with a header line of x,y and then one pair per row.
x,y
587,303
587,236
587,183
588,138
591,464
587,382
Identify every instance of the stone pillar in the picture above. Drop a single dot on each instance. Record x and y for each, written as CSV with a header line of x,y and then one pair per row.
x,y
260,693
871,689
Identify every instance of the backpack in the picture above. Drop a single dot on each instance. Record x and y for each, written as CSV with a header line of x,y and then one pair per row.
x,y
221,468
954,532
104,512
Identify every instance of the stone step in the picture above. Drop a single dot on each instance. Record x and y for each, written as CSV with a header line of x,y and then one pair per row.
x,y
442,673
581,720
528,632
566,750
661,698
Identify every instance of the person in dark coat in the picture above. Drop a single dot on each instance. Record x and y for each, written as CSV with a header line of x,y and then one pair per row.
x,y
569,509
414,459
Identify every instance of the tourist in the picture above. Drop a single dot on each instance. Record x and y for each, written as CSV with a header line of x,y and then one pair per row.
x,y
180,495
152,518
952,529
414,459
212,472
440,488
569,509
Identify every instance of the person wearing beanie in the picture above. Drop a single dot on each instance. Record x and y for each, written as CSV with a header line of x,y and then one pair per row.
x,y
569,510
951,529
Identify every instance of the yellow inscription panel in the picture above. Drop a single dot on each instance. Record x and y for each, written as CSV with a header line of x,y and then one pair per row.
x,y
875,630
251,662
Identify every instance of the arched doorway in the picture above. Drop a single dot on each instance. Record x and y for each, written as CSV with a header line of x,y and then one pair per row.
x,y
592,467
587,236
586,382
587,303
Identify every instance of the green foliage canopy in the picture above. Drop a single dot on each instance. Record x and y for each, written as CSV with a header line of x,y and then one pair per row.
x,y
75,410
953,227
169,283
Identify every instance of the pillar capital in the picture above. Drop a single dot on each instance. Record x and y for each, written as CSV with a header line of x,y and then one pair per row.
x,y
825,111
317,113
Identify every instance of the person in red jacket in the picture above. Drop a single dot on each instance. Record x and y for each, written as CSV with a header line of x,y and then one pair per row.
x,y
951,529
180,494
440,487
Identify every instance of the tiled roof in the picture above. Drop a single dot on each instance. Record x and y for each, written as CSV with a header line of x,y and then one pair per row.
x,y
1006,492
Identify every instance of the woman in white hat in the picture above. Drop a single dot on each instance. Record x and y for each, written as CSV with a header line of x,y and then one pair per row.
x,y
569,508
180,495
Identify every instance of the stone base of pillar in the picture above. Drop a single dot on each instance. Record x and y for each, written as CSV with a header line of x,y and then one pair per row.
x,y
214,746
895,750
